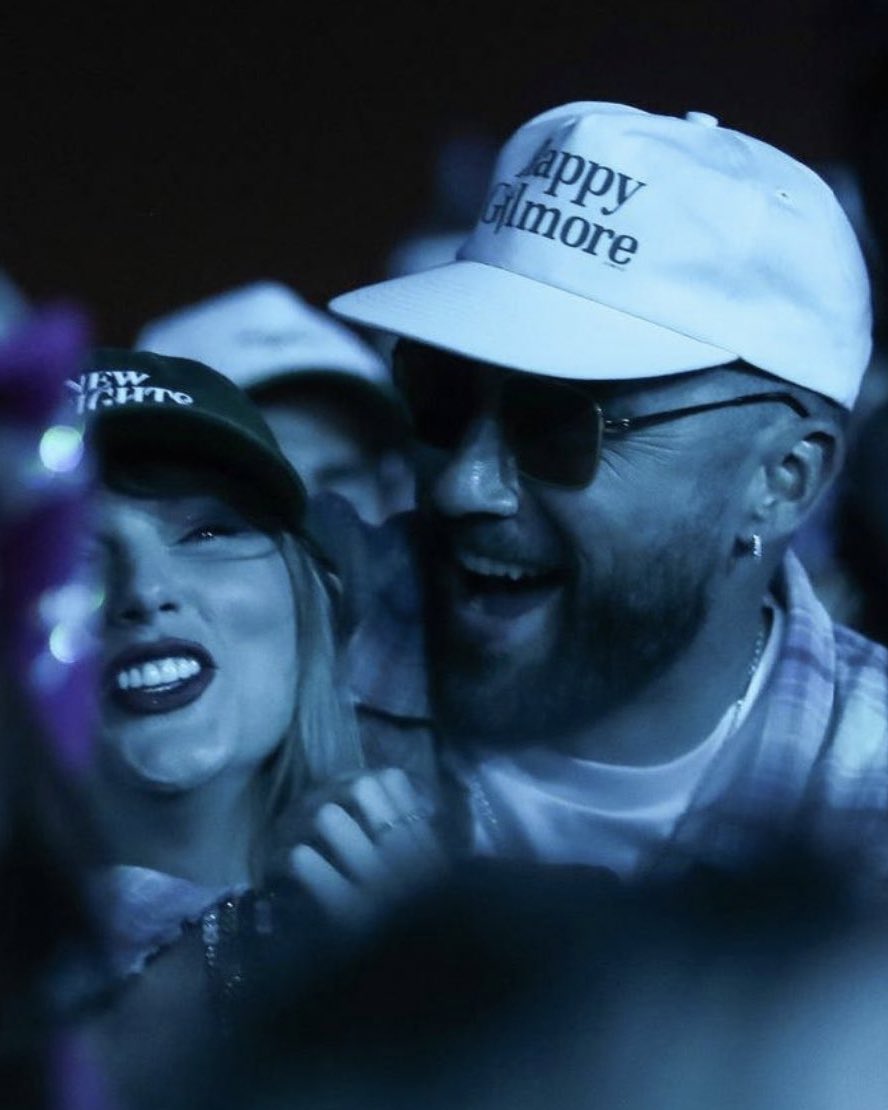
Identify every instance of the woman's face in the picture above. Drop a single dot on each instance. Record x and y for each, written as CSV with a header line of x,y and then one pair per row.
x,y
200,659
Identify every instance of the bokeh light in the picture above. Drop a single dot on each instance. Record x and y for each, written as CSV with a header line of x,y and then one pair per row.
x,y
61,448
65,643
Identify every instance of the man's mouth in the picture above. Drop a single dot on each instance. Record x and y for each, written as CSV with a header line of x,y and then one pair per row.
x,y
159,677
502,587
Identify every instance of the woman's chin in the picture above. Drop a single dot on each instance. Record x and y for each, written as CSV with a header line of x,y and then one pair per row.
x,y
162,783
175,761
171,773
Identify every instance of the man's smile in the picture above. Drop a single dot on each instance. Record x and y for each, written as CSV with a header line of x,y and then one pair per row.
x,y
489,590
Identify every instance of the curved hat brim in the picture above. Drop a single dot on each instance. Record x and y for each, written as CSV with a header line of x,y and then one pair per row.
x,y
227,447
494,315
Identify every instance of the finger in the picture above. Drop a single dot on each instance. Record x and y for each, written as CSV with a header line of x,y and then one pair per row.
x,y
391,823
349,847
372,806
416,814
399,788
320,878
358,794
336,789
413,857
386,799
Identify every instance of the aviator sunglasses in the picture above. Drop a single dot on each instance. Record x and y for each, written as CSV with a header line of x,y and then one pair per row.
x,y
554,428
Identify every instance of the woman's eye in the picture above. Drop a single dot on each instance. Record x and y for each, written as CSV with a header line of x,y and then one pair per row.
x,y
223,539
206,532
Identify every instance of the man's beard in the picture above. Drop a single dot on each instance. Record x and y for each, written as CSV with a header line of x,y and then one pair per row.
x,y
615,638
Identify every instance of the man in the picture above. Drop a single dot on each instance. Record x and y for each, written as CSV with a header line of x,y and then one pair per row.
x,y
629,391
325,394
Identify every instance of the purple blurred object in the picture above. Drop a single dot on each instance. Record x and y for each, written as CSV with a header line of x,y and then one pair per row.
x,y
47,600
77,1078
37,359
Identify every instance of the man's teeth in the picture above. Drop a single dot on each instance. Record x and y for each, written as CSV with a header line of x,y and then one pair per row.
x,y
159,672
496,568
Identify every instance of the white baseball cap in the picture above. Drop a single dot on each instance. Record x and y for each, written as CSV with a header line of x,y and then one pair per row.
x,y
616,244
259,332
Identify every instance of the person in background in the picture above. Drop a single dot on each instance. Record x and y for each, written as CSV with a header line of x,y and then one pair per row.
x,y
459,169
13,306
862,527
325,393
861,523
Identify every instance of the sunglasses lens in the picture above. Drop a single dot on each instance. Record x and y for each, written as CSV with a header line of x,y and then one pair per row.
x,y
554,430
552,427
439,395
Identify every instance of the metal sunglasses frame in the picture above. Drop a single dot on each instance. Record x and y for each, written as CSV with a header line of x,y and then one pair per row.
x,y
622,425
625,424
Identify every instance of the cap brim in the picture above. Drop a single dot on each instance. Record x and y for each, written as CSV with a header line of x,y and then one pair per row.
x,y
228,449
497,316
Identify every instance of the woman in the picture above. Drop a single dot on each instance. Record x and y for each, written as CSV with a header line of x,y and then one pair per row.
x,y
220,708
219,701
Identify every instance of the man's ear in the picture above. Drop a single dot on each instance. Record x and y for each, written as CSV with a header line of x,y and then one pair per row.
x,y
798,466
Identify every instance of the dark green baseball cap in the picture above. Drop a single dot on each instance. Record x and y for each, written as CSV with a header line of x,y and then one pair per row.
x,y
140,405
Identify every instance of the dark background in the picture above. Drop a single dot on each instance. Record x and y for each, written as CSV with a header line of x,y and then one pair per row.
x,y
152,160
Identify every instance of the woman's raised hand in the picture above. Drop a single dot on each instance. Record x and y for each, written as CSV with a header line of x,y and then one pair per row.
x,y
369,843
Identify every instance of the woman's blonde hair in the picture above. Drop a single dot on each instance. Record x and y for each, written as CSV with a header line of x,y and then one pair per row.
x,y
322,741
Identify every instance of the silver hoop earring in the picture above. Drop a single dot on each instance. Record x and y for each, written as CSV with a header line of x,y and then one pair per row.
x,y
756,545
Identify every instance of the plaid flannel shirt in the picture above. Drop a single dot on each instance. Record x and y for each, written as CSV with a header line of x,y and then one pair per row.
x,y
812,757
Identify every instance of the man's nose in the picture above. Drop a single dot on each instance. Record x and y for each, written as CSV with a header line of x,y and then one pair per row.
x,y
479,476
140,584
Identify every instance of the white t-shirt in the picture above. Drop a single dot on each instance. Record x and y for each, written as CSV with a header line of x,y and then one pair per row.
x,y
555,808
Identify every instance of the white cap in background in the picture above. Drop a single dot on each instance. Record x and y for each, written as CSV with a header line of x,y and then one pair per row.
x,y
259,332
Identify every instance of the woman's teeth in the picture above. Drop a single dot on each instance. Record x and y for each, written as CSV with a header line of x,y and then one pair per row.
x,y
159,672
